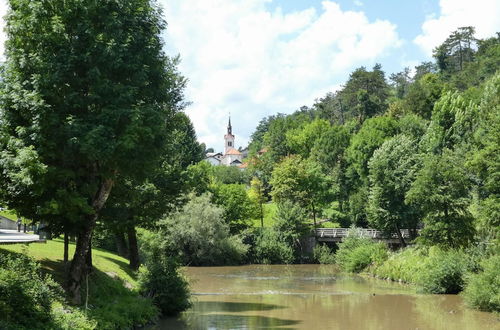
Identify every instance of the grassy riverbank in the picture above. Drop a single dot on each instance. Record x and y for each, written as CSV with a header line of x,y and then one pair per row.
x,y
113,301
474,272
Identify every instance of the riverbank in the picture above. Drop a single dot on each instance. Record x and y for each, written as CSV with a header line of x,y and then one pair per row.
x,y
113,300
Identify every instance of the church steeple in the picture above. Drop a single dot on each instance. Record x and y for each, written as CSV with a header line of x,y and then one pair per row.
x,y
229,127
229,137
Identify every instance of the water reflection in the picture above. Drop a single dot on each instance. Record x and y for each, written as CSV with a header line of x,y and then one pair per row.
x,y
315,297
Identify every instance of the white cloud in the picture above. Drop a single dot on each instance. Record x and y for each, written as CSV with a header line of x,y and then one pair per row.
x,y
358,3
482,14
241,57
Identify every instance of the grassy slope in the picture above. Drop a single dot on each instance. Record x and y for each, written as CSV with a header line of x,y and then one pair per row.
x,y
8,214
112,304
269,213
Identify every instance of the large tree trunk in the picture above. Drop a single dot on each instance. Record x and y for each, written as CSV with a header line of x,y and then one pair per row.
x,y
133,249
121,245
66,247
78,264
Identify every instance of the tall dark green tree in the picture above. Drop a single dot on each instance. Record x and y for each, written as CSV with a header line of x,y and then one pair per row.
x,y
393,168
86,93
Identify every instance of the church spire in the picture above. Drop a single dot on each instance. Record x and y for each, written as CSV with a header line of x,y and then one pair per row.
x,y
229,127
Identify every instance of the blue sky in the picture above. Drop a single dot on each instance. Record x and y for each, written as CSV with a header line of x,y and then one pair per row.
x,y
255,58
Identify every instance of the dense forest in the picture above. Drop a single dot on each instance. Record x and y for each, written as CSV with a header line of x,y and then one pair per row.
x,y
418,149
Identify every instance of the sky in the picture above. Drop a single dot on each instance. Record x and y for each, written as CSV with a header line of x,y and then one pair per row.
x,y
255,58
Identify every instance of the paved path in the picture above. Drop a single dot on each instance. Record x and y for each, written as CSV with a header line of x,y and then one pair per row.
x,y
12,236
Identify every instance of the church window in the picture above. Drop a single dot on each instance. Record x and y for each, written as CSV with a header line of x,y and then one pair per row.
x,y
229,144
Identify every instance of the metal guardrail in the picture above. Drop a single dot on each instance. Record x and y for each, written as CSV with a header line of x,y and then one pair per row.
x,y
363,232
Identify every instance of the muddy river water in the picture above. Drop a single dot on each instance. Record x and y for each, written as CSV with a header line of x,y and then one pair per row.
x,y
315,297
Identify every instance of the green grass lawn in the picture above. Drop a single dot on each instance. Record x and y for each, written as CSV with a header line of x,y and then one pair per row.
x,y
8,214
269,213
50,256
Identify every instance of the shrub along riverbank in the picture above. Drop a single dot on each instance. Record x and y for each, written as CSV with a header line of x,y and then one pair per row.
x,y
32,294
474,272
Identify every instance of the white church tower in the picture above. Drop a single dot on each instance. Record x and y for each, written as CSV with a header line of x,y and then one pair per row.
x,y
229,138
232,157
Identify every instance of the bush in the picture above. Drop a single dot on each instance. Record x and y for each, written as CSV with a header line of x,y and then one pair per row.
x,y
29,300
161,281
357,253
433,270
198,235
444,272
403,265
482,290
272,248
25,295
323,254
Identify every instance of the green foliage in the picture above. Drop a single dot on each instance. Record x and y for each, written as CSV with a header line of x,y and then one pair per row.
x,y
25,295
257,197
444,273
108,311
31,300
433,270
300,181
323,254
482,290
272,248
404,265
371,136
230,175
234,200
290,221
365,93
441,191
301,139
357,253
422,95
162,281
393,168
198,235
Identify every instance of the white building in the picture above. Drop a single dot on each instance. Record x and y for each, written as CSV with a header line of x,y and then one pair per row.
x,y
231,157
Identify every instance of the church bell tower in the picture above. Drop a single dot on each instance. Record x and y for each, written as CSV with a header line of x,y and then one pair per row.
x,y
228,138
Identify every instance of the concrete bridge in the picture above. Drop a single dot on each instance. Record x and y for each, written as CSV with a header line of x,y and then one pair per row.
x,y
338,234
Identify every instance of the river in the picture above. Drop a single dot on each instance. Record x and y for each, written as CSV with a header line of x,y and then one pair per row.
x,y
315,297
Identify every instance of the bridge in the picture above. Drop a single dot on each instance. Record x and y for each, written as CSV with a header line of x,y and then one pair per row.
x,y
338,234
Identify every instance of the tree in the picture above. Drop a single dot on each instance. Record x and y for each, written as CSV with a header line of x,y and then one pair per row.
x,y
301,140
401,81
422,95
301,182
143,202
456,50
392,170
86,93
257,196
365,93
441,192
237,206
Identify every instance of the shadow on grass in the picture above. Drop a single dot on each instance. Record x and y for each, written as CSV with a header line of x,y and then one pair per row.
x,y
123,266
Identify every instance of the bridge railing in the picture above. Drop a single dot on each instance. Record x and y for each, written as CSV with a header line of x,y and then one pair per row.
x,y
363,232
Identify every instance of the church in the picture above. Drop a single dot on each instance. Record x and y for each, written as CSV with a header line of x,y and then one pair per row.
x,y
231,156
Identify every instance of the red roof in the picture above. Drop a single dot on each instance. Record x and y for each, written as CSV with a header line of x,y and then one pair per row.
x,y
233,151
